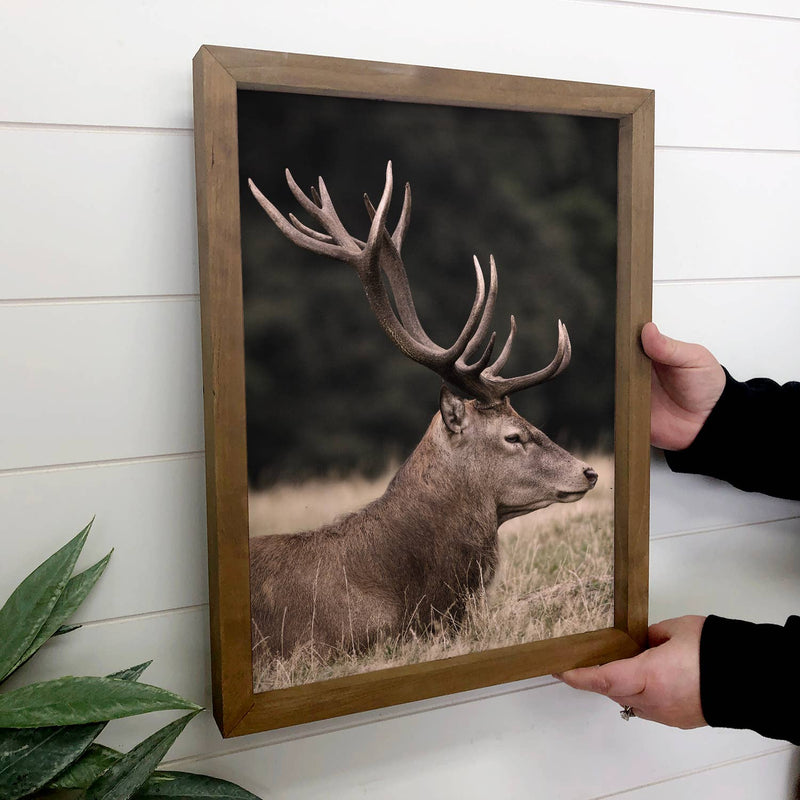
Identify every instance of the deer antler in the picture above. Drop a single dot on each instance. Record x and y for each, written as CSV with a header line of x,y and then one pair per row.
x,y
380,254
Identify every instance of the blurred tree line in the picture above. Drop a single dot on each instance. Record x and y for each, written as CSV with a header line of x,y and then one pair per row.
x,y
327,393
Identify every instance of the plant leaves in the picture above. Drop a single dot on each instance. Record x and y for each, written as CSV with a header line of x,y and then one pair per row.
x,y
73,595
87,769
75,701
97,759
124,778
30,604
188,786
30,757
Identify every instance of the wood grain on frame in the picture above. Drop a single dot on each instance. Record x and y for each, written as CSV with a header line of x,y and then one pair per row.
x,y
632,395
218,73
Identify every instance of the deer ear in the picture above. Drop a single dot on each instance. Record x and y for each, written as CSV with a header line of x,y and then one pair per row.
x,y
453,410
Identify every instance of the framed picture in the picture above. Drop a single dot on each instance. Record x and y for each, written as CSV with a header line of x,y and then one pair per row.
x,y
383,526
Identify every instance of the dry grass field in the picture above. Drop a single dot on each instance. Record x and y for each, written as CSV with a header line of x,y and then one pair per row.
x,y
555,578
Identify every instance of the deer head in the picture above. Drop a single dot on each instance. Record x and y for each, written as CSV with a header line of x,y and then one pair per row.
x,y
483,436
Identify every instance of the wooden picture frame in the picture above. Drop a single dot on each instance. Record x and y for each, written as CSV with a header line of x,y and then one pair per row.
x,y
219,72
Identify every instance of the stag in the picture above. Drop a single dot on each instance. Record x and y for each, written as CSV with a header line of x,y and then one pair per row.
x,y
411,559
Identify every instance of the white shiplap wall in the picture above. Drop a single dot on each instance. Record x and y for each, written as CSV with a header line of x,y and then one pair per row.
x,y
100,410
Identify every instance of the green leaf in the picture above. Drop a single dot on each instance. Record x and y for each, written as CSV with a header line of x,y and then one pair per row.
x,y
124,778
66,629
87,769
75,701
30,604
97,759
187,786
30,757
131,673
73,595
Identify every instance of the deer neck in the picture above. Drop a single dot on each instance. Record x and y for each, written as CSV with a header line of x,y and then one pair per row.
x,y
432,489
438,533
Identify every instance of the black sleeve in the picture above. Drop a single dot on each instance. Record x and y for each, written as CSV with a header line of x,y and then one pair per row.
x,y
748,676
748,672
751,439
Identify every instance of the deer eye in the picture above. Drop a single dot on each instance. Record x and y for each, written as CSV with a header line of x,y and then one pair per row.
x,y
514,438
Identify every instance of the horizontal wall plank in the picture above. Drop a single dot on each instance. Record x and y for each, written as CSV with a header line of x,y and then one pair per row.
x,y
772,8
120,219
680,503
769,777
746,324
744,573
96,381
96,213
151,513
514,746
457,750
708,96
725,214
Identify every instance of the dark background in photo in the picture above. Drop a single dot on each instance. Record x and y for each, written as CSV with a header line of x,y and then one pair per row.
x,y
327,393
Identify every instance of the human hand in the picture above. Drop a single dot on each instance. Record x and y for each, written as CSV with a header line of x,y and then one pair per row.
x,y
687,382
662,684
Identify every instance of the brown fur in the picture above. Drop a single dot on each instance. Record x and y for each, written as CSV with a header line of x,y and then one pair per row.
x,y
410,559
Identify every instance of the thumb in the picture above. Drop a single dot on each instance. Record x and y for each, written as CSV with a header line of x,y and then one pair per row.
x,y
615,679
661,632
671,352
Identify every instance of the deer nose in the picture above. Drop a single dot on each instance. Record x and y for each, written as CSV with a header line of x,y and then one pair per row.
x,y
591,475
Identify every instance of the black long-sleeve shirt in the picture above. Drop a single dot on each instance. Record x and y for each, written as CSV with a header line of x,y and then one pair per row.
x,y
749,675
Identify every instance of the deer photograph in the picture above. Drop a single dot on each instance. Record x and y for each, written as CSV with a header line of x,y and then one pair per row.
x,y
401,510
